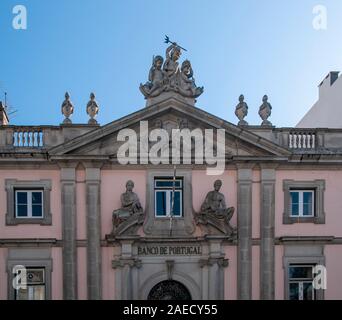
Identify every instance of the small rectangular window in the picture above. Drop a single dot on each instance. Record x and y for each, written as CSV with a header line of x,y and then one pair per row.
x,y
302,203
301,282
168,197
35,287
29,203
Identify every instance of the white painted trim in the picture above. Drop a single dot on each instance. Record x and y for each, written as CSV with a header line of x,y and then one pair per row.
x,y
29,204
301,203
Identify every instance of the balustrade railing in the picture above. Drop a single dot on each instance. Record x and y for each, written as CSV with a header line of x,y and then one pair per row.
x,y
29,137
302,140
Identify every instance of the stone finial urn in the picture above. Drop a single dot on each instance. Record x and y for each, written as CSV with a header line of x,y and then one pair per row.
x,y
92,109
67,109
265,111
241,111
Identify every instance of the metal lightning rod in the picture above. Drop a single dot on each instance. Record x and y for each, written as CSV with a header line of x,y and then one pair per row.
x,y
173,197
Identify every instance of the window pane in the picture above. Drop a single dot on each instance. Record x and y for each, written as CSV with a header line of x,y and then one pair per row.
x,y
295,209
31,293
161,203
21,210
294,203
300,272
307,209
307,291
307,203
37,210
294,291
22,294
177,204
307,197
22,197
167,183
294,196
38,293
36,198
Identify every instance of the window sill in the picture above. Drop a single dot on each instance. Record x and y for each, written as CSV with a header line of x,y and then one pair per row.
x,y
47,221
292,220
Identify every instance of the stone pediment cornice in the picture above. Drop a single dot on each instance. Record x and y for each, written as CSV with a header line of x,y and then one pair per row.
x,y
171,105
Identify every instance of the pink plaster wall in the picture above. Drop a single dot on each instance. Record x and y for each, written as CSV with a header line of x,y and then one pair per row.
x,y
3,273
82,273
279,273
230,279
333,263
32,231
332,204
113,184
108,274
57,274
255,272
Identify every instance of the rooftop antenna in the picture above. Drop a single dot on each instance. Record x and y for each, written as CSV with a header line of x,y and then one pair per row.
x,y
9,109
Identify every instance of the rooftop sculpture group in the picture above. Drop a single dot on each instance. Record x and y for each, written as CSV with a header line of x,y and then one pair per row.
x,y
168,77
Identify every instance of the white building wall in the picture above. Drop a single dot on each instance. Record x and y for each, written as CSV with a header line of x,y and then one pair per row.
x,y
327,111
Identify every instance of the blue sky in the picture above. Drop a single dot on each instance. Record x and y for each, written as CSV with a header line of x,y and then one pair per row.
x,y
254,47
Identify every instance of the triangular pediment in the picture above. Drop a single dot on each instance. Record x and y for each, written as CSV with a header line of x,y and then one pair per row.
x,y
169,114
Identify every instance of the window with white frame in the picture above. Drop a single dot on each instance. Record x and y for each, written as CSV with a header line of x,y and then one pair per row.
x,y
35,288
168,197
29,204
300,286
302,203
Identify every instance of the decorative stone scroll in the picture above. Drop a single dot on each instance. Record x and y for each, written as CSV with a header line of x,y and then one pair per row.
x,y
214,217
130,216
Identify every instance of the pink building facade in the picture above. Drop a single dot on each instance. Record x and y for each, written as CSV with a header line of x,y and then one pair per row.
x,y
59,187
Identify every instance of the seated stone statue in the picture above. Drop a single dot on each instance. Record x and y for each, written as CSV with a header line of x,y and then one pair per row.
x,y
215,212
156,79
187,86
130,205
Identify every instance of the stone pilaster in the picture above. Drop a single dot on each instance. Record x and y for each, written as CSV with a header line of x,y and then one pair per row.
x,y
267,212
244,216
126,278
94,272
213,272
68,192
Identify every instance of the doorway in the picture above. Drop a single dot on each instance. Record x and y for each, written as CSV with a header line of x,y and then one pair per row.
x,y
169,290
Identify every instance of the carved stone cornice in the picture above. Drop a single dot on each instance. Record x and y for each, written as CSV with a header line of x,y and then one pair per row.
x,y
71,164
268,165
97,164
122,262
246,165
221,262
